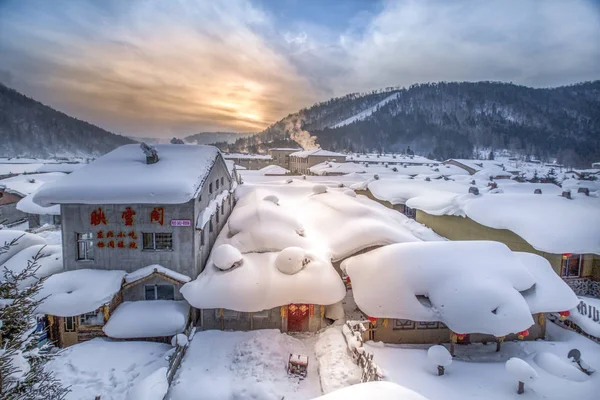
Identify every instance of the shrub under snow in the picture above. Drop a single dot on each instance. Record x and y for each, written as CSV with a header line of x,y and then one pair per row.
x,y
226,256
520,370
291,260
272,198
318,189
439,355
179,340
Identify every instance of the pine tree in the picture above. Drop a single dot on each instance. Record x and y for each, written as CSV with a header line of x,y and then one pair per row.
x,y
22,373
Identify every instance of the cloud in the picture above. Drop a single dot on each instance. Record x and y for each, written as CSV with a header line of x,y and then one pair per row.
x,y
538,43
155,68
169,68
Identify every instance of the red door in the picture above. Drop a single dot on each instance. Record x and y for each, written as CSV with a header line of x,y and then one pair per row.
x,y
298,316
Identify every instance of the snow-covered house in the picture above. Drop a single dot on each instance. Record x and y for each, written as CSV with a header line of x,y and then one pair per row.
x,y
493,169
273,265
281,155
465,291
87,303
15,200
563,228
128,209
249,161
301,161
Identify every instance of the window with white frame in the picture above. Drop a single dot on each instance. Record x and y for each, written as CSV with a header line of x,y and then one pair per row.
x,y
571,265
85,246
69,324
159,292
158,241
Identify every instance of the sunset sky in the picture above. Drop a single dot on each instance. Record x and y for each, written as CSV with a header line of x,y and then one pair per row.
x,y
177,67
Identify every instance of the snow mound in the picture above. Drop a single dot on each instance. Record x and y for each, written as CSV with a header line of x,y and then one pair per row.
x,y
561,368
520,370
49,261
380,390
152,387
179,340
439,355
350,192
291,260
226,256
318,189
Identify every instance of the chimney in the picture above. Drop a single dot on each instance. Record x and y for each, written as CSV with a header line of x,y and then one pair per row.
x,y
473,182
428,179
474,190
566,194
150,152
492,185
584,190
537,191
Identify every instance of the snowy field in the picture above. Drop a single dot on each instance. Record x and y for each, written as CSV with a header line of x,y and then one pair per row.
x,y
478,372
107,368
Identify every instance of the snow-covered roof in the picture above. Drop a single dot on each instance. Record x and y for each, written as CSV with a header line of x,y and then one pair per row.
x,y
550,293
60,167
123,177
23,185
286,149
398,191
471,286
49,261
391,158
78,292
147,318
21,241
323,223
584,318
142,273
241,156
27,205
274,170
316,153
550,223
331,167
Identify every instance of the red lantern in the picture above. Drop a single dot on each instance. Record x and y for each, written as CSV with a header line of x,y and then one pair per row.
x,y
348,279
564,314
523,334
460,336
372,319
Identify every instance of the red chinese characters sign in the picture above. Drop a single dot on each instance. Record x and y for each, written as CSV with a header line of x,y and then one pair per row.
x,y
127,216
98,217
158,215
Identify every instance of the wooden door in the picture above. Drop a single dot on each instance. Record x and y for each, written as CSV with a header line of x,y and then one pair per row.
x,y
298,317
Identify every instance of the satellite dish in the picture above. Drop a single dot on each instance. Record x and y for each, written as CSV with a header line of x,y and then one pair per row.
x,y
574,354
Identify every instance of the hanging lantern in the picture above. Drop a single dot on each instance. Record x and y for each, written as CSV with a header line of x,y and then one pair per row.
x,y
523,334
461,336
564,314
347,279
566,255
372,320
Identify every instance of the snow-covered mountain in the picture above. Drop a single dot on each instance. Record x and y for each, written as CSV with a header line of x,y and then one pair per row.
x,y
444,120
28,128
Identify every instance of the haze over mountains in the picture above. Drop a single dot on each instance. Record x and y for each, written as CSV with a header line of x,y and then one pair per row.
x,y
441,120
445,120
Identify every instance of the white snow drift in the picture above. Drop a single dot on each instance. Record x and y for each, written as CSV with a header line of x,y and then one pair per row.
x,y
472,287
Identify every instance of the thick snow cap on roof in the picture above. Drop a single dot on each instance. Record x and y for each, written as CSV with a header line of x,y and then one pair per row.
x,y
77,292
147,318
258,285
27,205
24,185
471,286
317,153
22,240
550,293
150,269
550,223
122,177
398,191
49,261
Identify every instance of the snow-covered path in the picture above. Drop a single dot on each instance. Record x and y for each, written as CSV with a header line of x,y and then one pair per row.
x,y
244,365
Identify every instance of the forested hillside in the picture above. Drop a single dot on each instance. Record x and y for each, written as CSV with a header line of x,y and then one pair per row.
x,y
30,129
446,120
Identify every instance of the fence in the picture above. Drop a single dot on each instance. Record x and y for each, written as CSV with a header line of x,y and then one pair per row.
x,y
353,333
177,356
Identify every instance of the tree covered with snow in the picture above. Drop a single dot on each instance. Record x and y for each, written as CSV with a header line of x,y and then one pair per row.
x,y
22,373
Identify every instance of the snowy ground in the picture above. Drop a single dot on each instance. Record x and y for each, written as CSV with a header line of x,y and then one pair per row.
x,y
244,365
107,368
478,372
